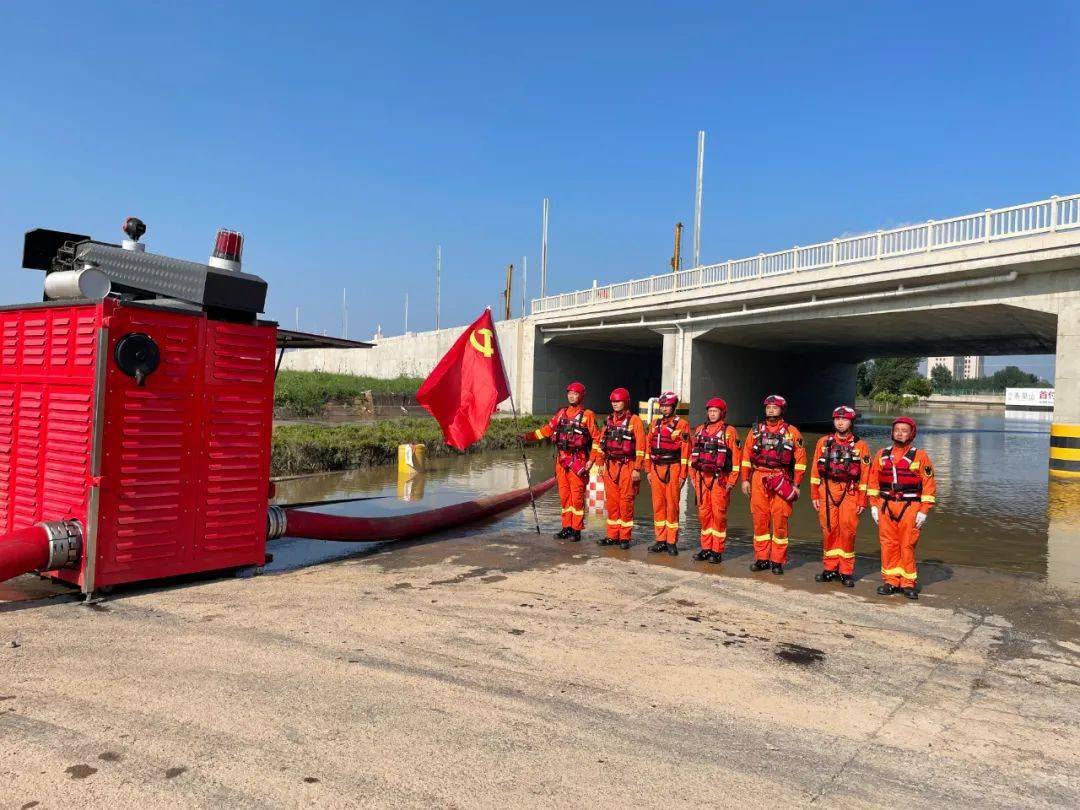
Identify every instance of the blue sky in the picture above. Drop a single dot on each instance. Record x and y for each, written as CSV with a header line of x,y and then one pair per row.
x,y
347,140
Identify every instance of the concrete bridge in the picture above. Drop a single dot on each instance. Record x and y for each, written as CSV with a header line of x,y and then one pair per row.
x,y
799,321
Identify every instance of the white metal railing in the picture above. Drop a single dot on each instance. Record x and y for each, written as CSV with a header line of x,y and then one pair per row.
x,y
1056,213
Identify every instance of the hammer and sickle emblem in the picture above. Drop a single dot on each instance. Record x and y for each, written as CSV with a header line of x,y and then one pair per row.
x,y
484,345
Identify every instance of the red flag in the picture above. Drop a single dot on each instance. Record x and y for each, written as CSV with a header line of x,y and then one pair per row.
x,y
467,384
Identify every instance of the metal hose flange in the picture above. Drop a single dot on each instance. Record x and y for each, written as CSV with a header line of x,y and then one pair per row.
x,y
65,543
276,520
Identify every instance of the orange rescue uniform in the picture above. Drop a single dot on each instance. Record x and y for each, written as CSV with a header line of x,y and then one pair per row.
x,y
666,458
619,465
572,466
901,485
838,475
770,512
713,489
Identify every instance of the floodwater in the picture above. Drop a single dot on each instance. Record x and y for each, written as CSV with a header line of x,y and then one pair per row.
x,y
996,506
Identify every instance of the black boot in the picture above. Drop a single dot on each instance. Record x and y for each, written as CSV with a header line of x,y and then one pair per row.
x,y
714,556
825,576
574,536
848,580
702,555
604,541
673,549
777,568
562,534
624,545
760,565
887,589
657,547
910,593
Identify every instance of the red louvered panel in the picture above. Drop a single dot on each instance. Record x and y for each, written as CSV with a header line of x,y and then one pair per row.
x,y
7,448
69,415
29,452
34,339
238,403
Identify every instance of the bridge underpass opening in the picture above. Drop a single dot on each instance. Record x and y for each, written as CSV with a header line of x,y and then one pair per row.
x,y
632,361
813,361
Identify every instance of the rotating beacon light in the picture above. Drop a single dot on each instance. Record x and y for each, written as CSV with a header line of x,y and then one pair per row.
x,y
228,249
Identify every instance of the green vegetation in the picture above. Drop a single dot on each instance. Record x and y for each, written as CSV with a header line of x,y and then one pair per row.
x,y
940,377
886,379
1008,377
300,449
304,393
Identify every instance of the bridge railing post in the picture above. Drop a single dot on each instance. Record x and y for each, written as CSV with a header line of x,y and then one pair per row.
x,y
880,244
929,235
835,251
988,225
1053,212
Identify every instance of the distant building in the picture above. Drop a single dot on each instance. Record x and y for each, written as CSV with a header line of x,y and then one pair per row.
x,y
962,368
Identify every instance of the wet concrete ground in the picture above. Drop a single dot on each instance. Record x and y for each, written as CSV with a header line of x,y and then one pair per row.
x,y
502,669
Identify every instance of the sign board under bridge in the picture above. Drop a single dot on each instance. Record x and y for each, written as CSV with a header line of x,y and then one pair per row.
x,y
1038,399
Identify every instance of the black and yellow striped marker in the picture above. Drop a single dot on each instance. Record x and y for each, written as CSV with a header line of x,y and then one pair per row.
x,y
1065,450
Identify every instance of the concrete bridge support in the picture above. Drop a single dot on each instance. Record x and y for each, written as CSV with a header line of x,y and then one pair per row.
x,y
1065,430
601,369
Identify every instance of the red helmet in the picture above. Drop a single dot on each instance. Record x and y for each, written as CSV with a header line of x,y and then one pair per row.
x,y
844,412
906,420
716,402
576,387
775,399
620,395
669,398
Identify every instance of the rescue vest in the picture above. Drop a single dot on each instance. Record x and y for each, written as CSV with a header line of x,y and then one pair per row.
x,y
840,461
772,449
710,453
571,434
665,443
618,442
899,482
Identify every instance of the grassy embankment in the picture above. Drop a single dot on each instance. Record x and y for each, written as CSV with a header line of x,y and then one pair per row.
x,y
309,448
300,449
304,393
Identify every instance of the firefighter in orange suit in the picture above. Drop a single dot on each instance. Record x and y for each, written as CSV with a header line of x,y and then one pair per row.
x,y
666,459
715,456
621,453
573,431
773,466
902,491
838,474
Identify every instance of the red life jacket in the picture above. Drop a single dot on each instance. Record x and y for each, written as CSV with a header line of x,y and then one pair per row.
x,y
571,434
898,481
840,461
618,442
664,446
710,453
772,449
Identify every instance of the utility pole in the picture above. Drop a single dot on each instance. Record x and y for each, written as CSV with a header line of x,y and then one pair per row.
x,y
507,290
524,282
344,316
544,250
676,257
697,196
298,319
438,283
406,313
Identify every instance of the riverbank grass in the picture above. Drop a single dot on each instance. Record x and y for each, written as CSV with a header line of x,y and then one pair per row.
x,y
305,393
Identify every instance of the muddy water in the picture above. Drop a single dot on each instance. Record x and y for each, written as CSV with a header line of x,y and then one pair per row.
x,y
996,506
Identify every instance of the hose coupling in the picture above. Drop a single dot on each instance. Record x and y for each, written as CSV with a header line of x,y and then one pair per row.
x,y
276,522
65,543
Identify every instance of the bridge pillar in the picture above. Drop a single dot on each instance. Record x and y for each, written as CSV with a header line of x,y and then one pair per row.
x,y
1065,430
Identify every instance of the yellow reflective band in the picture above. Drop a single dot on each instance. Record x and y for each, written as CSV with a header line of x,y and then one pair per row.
x,y
746,463
908,574
659,524
814,480
892,572
862,488
566,509
685,461
614,522
928,499
640,452
626,524
539,434
839,552
914,465
672,525
762,538
578,512
800,468
873,492
780,541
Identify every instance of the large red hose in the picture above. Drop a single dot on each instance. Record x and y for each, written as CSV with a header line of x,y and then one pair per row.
x,y
319,526
23,551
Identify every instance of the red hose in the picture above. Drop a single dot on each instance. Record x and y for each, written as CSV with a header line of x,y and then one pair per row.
x,y
23,551
319,526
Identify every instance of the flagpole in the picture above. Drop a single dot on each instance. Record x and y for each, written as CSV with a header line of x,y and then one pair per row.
x,y
524,458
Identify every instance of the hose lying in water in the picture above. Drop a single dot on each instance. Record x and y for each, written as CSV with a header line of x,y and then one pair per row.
x,y
320,526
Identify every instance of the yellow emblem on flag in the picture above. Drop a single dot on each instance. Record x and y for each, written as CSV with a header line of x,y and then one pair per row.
x,y
483,346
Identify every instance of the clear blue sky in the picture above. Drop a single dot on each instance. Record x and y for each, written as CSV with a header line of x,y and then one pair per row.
x,y
346,140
